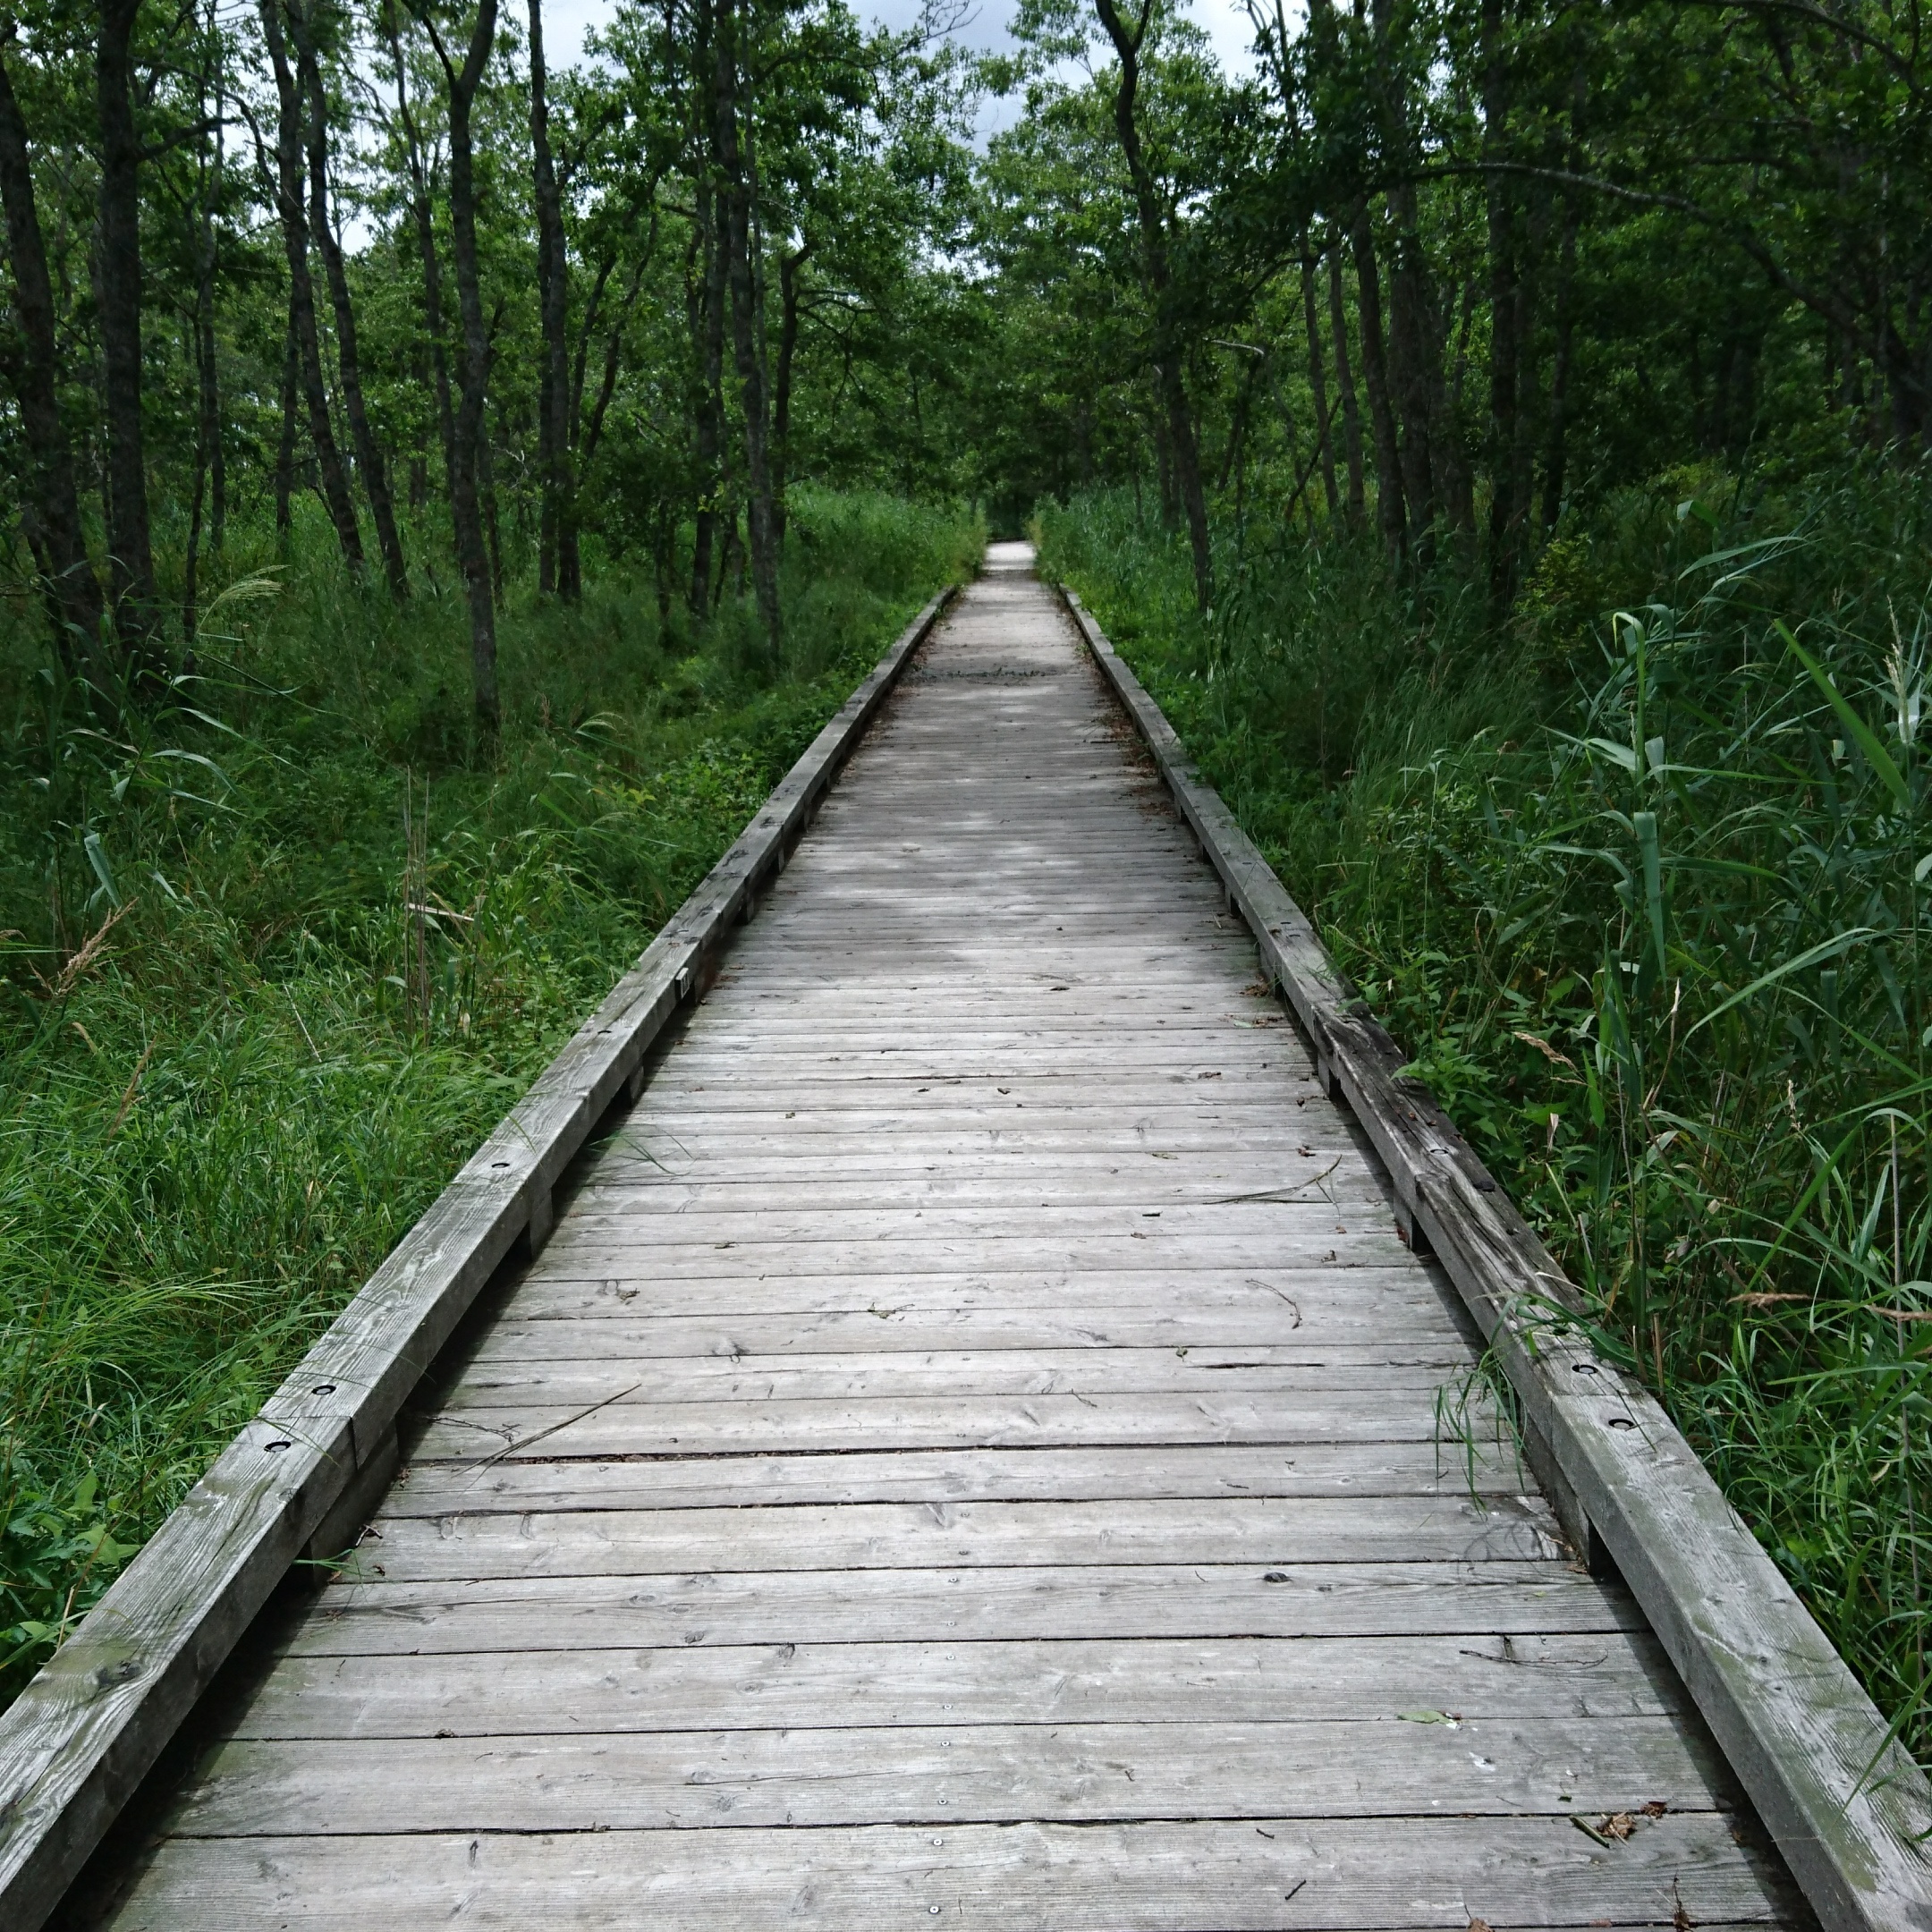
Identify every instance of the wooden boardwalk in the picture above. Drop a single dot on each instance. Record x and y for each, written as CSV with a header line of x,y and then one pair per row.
x,y
973,1450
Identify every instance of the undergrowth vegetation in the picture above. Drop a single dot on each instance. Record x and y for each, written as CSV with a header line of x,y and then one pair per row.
x,y
280,947
1640,882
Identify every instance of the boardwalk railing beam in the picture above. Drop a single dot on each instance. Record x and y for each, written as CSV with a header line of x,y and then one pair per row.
x,y
82,1735
1848,1807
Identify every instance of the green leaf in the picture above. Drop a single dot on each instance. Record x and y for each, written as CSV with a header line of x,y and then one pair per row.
x,y
1826,949
103,871
1876,754
1644,826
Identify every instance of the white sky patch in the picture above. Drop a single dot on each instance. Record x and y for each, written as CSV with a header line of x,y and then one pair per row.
x,y
1224,21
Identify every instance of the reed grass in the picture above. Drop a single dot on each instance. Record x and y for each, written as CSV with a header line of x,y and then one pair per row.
x,y
279,949
1640,881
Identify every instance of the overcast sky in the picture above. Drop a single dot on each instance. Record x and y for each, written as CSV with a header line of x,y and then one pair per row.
x,y
1224,21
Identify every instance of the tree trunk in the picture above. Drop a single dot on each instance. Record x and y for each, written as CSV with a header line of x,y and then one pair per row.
x,y
285,471
210,368
129,547
1502,314
348,353
735,201
422,213
788,334
1319,380
211,417
334,480
466,443
485,459
1389,509
1164,476
1555,450
207,414
1351,442
1411,337
556,530
709,326
1445,421
593,430
1412,344
1168,349
72,589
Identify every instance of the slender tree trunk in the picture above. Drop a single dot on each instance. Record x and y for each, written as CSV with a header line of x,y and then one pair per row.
x,y
1230,450
1533,236
579,364
1445,422
348,351
1168,348
422,215
1389,507
1412,346
1352,441
556,533
1164,469
210,367
1504,384
289,182
466,443
735,201
211,416
208,416
72,589
129,547
789,266
485,458
191,568
1319,380
710,346
593,430
285,471
1559,399
1328,53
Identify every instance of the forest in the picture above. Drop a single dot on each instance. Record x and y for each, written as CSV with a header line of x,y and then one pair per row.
x,y
442,491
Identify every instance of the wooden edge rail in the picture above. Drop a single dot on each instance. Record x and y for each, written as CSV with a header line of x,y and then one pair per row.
x,y
91,1725
1849,1808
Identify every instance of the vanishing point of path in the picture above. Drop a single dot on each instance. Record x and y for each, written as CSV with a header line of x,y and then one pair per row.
x,y
974,1450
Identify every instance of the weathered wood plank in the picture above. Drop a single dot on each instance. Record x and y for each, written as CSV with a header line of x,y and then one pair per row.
x,y
1264,1875
963,1774
936,1422
956,1476
1430,1337
1295,1179
1603,1676
1331,1299
1848,1809
884,1535
954,1373
1364,1240
834,1607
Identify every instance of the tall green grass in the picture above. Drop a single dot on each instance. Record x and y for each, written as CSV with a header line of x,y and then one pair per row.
x,y
234,1063
1641,884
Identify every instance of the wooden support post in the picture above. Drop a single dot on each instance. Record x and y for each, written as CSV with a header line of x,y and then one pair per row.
x,y
338,1530
542,1219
